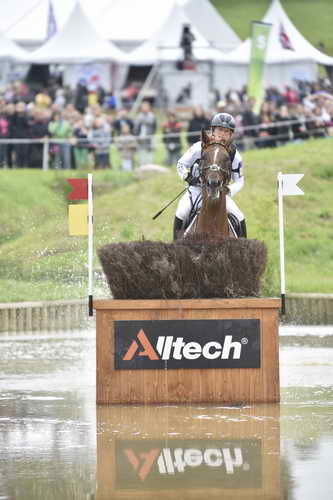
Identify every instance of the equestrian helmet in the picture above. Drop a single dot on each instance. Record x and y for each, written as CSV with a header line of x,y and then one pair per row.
x,y
223,120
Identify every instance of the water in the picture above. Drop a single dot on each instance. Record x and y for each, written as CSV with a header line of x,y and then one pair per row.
x,y
52,437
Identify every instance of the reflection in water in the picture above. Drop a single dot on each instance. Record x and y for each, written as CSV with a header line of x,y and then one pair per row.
x,y
48,430
202,451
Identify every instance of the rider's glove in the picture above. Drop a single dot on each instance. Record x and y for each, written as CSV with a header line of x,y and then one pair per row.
x,y
190,179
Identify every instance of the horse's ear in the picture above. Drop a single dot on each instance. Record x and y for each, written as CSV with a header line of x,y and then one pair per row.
x,y
205,139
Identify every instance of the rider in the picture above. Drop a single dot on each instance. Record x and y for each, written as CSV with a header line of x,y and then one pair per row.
x,y
223,126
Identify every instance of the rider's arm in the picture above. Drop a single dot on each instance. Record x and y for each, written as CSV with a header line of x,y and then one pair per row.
x,y
236,174
186,161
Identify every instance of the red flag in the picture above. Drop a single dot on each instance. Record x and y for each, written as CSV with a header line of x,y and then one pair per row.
x,y
284,39
80,189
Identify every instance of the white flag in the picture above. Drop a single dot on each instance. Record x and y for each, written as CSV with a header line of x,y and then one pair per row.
x,y
289,184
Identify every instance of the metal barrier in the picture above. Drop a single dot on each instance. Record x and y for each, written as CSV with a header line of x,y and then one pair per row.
x,y
245,137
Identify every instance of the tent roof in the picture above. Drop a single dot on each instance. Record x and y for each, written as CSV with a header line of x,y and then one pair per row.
x,y
132,20
9,51
78,42
164,44
211,24
302,49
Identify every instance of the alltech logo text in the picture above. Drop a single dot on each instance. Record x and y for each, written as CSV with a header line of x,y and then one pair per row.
x,y
194,461
187,344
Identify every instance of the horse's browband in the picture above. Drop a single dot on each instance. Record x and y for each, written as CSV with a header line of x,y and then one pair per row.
x,y
215,143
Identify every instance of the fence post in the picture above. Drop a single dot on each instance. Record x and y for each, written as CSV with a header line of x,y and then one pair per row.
x,y
46,146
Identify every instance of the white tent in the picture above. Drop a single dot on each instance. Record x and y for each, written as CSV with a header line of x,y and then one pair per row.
x,y
164,45
128,23
9,51
11,59
211,24
78,42
164,52
283,65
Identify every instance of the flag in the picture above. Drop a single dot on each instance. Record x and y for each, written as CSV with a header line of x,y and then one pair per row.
x,y
260,34
51,22
80,189
78,220
289,184
284,39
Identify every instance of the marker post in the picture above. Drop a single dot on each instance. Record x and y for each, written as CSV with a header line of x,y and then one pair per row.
x,y
90,244
281,238
287,186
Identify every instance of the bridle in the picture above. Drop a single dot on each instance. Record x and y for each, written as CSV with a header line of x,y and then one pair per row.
x,y
214,167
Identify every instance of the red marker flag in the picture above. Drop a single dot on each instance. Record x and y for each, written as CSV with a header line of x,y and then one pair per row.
x,y
80,189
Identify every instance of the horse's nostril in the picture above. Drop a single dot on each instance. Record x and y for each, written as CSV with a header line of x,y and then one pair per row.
x,y
213,182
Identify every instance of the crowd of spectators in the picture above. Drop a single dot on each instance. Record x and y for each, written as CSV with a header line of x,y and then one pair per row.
x,y
81,125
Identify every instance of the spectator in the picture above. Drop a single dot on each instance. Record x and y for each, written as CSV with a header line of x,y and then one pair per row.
x,y
266,132
171,137
4,134
10,114
38,130
145,128
122,118
110,101
60,128
127,146
198,121
81,95
43,100
284,131
21,130
100,137
81,149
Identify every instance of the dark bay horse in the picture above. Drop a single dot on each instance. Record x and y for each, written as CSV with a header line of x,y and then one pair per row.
x,y
215,174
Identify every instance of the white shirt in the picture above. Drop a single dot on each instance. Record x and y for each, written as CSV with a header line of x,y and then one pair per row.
x,y
189,163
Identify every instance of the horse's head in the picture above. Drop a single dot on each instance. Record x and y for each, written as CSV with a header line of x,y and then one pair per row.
x,y
215,166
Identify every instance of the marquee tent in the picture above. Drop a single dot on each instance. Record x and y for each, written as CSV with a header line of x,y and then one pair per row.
x,y
128,23
11,55
211,24
9,51
78,42
289,56
164,45
163,51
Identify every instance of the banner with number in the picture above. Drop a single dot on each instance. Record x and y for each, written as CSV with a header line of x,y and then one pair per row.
x,y
255,89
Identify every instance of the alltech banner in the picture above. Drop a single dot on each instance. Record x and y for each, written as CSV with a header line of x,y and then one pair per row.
x,y
259,41
174,344
191,463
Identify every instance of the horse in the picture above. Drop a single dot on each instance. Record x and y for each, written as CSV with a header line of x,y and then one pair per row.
x,y
215,175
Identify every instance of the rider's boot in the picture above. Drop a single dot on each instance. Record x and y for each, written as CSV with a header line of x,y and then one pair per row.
x,y
243,231
177,228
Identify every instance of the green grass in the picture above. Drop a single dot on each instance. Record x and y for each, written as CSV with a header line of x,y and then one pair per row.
x,y
38,260
312,18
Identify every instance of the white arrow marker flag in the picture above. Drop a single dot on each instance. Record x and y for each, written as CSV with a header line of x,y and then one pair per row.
x,y
287,186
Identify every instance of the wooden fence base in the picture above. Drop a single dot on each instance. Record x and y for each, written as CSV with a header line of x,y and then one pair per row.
x,y
247,368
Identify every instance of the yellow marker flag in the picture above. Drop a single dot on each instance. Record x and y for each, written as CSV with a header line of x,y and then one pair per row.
x,y
78,220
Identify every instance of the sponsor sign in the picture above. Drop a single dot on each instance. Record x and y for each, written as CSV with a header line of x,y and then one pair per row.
x,y
259,42
174,344
190,463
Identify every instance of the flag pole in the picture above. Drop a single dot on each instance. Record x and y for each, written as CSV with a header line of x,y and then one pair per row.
x,y
90,244
281,235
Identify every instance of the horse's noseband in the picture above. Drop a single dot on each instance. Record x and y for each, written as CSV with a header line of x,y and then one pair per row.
x,y
213,168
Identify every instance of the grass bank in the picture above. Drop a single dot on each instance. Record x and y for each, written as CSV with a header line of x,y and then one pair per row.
x,y
38,260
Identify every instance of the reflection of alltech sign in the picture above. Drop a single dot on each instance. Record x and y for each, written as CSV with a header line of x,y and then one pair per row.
x,y
188,463
233,343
